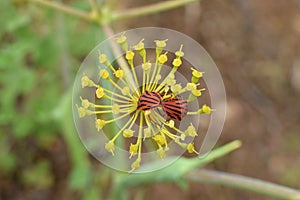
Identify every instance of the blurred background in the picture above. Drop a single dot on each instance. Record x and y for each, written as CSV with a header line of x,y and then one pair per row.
x,y
255,44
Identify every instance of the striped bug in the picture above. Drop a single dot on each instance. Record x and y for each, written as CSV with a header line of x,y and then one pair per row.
x,y
175,107
149,101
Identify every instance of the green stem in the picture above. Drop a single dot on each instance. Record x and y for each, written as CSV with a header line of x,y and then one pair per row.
x,y
244,183
150,9
65,9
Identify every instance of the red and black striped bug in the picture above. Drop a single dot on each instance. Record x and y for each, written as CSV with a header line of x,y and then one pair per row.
x,y
175,107
149,100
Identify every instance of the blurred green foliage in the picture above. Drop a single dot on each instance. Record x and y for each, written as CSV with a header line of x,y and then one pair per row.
x,y
35,107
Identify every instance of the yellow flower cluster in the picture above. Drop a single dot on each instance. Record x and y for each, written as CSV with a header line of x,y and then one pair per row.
x,y
126,98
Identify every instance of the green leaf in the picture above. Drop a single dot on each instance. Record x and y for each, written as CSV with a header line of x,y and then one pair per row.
x,y
175,171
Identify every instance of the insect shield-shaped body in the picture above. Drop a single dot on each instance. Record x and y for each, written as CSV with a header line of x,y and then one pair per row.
x,y
175,107
149,101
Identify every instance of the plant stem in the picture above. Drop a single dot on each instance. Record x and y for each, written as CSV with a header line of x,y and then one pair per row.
x,y
150,9
244,183
64,8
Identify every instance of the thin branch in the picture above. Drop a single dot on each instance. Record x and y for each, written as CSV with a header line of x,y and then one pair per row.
x,y
244,183
64,8
150,9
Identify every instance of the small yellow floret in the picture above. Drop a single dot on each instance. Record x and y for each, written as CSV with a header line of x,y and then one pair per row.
x,y
115,109
104,73
205,109
176,88
170,81
125,90
121,39
146,66
135,165
190,131
85,103
159,139
86,82
110,147
127,133
196,73
147,132
102,58
99,92
191,86
176,62
197,93
161,43
171,124
133,149
99,123
190,148
81,111
129,55
162,59
119,73
139,46
161,152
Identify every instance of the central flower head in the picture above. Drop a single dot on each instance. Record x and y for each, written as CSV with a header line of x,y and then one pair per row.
x,y
152,101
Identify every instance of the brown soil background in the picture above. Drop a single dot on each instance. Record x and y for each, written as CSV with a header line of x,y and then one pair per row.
x,y
256,46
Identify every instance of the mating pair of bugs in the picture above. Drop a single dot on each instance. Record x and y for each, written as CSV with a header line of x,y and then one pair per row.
x,y
174,107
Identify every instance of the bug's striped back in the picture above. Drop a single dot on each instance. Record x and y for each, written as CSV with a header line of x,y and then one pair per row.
x,y
175,108
149,100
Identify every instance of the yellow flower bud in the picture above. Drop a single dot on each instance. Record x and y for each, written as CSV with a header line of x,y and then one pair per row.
x,y
136,164
191,86
99,123
85,103
176,62
182,136
162,59
81,111
158,77
196,73
129,55
190,148
102,58
121,39
147,132
125,90
146,66
127,133
176,88
133,149
159,139
119,73
99,92
110,147
115,109
197,93
86,82
161,152
139,46
161,43
171,124
179,54
190,131
104,73
170,81
205,109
